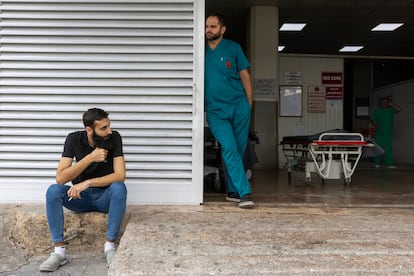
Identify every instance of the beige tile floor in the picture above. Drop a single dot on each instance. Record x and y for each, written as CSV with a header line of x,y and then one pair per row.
x,y
370,187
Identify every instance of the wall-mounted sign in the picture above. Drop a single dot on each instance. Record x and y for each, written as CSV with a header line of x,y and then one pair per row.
x,y
331,78
265,89
334,93
293,78
316,99
362,107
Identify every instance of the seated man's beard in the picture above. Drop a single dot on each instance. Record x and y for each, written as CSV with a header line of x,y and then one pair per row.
x,y
101,142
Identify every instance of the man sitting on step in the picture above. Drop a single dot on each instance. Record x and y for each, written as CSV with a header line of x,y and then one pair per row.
x,y
97,176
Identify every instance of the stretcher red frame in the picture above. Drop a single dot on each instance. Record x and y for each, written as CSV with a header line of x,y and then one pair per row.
x,y
334,148
330,154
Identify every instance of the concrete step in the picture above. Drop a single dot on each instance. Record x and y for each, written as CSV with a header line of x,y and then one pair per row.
x,y
225,240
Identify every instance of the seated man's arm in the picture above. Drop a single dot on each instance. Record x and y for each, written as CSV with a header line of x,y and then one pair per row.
x,y
117,176
67,172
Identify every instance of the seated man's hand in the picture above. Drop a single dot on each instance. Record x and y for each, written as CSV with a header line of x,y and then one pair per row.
x,y
75,190
99,155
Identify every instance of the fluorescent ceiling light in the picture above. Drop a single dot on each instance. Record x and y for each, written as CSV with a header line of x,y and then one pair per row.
x,y
351,48
387,27
292,27
280,48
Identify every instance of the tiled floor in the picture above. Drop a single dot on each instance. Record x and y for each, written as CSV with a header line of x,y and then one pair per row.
x,y
370,187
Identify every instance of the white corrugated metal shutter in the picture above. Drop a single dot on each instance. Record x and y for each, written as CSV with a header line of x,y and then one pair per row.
x,y
138,60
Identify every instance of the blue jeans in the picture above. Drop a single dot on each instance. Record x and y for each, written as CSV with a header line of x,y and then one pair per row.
x,y
111,200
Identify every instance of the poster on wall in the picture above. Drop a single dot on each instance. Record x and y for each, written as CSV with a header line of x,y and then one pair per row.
x,y
334,93
293,78
316,99
290,101
362,107
265,90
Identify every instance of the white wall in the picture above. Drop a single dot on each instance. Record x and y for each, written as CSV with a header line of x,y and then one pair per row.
x,y
402,95
310,69
143,63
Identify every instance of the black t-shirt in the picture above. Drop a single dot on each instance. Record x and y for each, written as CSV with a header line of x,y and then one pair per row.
x,y
77,146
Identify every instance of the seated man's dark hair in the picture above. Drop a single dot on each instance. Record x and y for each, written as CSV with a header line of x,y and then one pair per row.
x,y
92,115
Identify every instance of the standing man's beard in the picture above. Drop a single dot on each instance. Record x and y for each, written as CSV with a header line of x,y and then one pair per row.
x,y
213,36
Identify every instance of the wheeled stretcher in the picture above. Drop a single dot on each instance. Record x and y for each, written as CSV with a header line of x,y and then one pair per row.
x,y
331,155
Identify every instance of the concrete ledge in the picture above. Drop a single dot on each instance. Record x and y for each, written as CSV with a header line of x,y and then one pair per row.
x,y
26,227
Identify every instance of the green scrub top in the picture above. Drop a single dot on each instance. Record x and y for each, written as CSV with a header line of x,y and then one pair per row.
x,y
223,85
384,117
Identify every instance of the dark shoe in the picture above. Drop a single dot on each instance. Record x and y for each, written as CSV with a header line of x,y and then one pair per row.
x,y
246,202
233,197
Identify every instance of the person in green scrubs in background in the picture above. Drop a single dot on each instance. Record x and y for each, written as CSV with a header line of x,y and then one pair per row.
x,y
228,101
382,119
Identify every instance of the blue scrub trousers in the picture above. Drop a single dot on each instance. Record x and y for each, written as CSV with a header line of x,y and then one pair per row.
x,y
230,126
385,142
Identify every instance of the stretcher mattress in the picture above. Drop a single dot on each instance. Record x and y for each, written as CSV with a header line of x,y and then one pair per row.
x,y
305,140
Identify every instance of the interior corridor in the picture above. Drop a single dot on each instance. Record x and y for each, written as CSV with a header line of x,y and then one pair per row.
x,y
370,187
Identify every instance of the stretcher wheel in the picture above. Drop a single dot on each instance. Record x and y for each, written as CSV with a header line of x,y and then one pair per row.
x,y
308,179
347,181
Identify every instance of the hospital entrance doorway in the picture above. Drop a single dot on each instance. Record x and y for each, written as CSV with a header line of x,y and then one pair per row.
x,y
261,154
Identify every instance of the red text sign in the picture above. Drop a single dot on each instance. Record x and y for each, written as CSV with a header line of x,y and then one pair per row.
x,y
334,92
331,78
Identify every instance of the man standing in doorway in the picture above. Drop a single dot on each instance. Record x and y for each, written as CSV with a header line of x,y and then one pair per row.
x,y
382,119
228,102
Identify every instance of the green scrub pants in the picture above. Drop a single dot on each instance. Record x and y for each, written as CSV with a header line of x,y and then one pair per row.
x,y
385,142
230,126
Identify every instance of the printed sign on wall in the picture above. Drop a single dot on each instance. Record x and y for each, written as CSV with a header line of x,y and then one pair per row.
x,y
265,89
331,78
316,99
293,77
334,93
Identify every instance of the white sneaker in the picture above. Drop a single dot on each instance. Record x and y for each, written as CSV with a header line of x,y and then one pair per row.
x,y
391,167
109,255
53,262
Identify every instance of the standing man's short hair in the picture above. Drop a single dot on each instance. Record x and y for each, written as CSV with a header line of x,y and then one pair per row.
x,y
221,18
92,115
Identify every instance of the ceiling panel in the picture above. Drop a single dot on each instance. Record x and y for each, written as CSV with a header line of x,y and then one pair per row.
x,y
332,24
